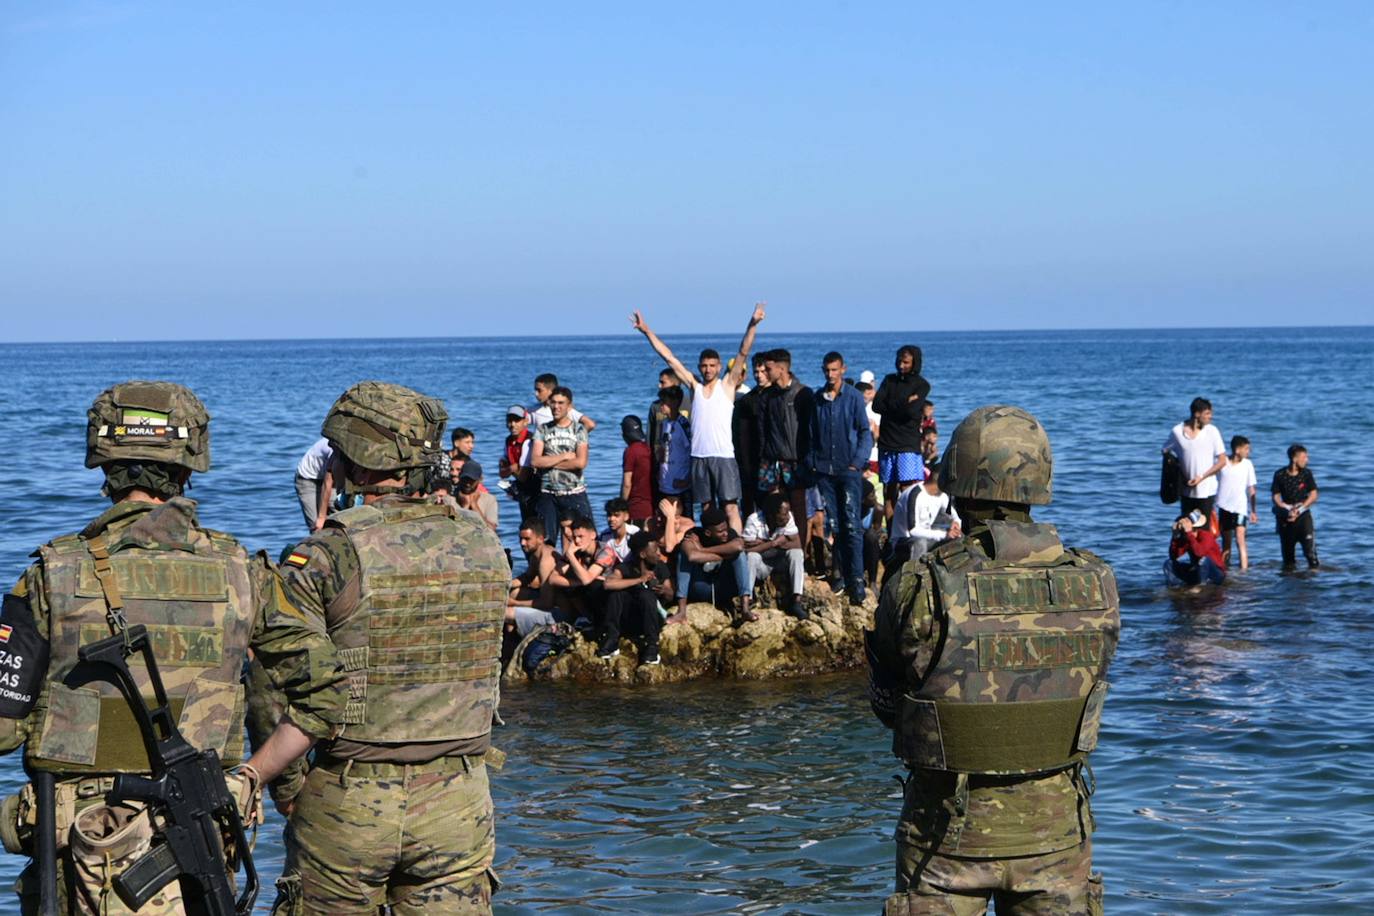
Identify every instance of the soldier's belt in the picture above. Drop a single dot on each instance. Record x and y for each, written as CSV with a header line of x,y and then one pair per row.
x,y
342,766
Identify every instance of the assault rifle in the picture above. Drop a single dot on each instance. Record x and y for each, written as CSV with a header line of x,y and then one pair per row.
x,y
187,789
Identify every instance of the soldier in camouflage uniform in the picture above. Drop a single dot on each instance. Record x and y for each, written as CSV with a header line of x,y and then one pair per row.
x,y
987,659
397,811
204,601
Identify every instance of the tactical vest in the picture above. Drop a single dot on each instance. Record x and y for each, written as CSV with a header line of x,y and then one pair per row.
x,y
196,600
1022,644
422,649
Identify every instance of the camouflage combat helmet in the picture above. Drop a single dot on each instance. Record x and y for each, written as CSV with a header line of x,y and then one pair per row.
x,y
385,427
998,453
160,422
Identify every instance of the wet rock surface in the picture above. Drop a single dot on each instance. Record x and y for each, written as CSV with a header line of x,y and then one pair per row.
x,y
709,644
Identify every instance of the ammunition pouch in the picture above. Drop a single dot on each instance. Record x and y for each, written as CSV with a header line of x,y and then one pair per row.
x,y
290,901
19,812
107,840
16,835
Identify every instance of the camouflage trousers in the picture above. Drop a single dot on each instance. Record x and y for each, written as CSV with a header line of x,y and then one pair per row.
x,y
1055,884
418,838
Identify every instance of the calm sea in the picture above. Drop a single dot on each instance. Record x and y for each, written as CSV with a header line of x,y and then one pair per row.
x,y
1236,770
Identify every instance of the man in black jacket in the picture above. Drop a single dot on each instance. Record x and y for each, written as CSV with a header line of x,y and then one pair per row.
x,y
899,401
784,431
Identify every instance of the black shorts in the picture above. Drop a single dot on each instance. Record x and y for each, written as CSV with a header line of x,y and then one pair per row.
x,y
1230,521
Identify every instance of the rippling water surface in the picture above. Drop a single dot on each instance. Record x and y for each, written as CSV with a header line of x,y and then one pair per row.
x,y
1236,771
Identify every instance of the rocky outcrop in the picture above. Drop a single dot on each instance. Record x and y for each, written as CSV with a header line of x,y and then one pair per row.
x,y
707,644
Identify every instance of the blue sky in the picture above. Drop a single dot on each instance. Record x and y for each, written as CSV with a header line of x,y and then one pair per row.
x,y
172,171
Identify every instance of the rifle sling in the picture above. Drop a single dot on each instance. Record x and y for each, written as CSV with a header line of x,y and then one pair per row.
x,y
109,586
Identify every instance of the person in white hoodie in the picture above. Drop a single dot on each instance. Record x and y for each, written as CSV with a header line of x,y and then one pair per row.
x,y
921,518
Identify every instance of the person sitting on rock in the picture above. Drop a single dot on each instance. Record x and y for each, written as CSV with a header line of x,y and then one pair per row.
x,y
580,576
773,544
921,518
711,557
634,591
534,597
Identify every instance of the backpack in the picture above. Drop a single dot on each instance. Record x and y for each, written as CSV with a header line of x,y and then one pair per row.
x,y
542,646
1170,479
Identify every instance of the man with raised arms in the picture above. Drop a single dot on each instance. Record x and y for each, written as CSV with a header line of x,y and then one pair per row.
x,y
715,474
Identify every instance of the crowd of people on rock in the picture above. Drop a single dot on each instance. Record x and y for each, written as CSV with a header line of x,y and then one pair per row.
x,y
734,493
1216,492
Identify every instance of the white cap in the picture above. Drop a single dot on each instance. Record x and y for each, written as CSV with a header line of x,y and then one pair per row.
x,y
867,376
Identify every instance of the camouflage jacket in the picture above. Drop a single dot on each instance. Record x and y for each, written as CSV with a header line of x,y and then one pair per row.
x,y
970,816
293,653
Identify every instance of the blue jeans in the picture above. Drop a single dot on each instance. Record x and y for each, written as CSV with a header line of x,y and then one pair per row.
x,y
843,494
714,585
551,505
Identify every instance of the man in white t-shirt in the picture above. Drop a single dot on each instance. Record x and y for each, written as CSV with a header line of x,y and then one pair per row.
x,y
310,477
921,518
1197,445
773,543
1236,500
542,413
715,474
618,530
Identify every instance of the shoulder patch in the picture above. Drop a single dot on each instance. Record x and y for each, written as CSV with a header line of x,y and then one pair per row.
x,y
297,559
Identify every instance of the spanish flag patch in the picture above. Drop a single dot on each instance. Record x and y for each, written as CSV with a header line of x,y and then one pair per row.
x,y
297,558
5,631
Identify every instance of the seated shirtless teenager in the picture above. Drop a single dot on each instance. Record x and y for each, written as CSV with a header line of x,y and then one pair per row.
x,y
536,597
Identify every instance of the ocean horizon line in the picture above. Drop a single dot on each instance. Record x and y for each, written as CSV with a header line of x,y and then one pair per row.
x,y
689,334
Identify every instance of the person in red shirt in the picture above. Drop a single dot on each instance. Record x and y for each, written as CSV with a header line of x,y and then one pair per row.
x,y
523,484
637,477
1194,554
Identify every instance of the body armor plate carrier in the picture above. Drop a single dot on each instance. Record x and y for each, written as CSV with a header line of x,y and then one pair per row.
x,y
196,600
422,649
1023,642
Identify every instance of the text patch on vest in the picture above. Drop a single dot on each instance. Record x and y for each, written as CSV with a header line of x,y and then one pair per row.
x,y
159,579
1028,651
173,646
1040,591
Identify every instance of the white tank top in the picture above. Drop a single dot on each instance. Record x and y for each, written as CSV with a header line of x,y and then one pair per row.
x,y
711,433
